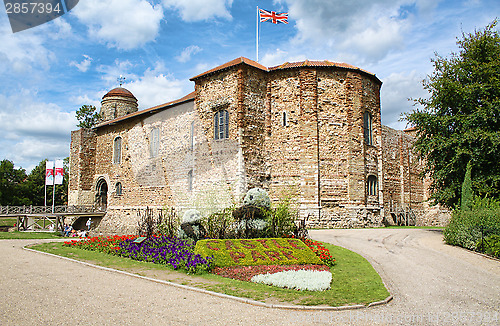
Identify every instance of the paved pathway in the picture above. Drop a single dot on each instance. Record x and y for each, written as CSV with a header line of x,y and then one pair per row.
x,y
432,283
428,279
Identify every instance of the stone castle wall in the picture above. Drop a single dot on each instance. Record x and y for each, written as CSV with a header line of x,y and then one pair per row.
x,y
292,132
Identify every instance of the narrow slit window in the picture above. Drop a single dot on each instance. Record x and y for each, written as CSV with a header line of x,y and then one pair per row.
x,y
367,124
190,180
118,188
284,119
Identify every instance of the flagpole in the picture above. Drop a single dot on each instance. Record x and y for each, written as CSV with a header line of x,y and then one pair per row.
x,y
54,189
257,36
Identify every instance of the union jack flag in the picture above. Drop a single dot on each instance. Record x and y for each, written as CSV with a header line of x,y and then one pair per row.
x,y
273,17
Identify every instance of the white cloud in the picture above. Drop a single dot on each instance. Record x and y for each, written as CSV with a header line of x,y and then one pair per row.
x,y
20,52
124,24
396,91
196,10
120,68
278,56
31,130
186,54
84,65
155,87
363,30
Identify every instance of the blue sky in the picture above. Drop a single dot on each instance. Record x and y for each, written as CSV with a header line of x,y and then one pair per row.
x,y
48,72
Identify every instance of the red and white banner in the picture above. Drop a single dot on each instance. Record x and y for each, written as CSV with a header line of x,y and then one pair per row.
x,y
49,173
59,172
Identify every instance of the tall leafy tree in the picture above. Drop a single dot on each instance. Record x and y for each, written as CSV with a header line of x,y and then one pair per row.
x,y
87,116
460,121
12,187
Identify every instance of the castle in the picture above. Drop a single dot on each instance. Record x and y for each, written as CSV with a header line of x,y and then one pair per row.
x,y
311,129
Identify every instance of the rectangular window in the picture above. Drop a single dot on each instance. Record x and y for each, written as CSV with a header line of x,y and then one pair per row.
x,y
155,142
221,124
117,150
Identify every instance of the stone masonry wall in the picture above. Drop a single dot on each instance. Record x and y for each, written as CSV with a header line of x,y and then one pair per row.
x,y
318,154
321,150
81,167
403,184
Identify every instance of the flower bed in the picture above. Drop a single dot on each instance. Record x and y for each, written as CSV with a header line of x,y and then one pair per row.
x,y
159,249
297,279
245,273
266,251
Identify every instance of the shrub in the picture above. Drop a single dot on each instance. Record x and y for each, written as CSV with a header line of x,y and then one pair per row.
x,y
217,225
466,227
490,245
170,223
281,220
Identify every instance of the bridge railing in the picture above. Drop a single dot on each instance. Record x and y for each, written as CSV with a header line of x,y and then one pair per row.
x,y
74,209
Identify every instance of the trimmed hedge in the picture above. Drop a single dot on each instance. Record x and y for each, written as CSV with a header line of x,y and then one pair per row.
x,y
251,252
466,227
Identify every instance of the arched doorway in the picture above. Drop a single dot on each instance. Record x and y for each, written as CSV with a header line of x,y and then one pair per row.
x,y
101,196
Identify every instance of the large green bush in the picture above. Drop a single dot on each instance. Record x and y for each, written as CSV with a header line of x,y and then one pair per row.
x,y
466,227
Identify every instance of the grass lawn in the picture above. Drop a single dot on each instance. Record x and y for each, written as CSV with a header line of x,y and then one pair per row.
x,y
354,279
30,235
9,222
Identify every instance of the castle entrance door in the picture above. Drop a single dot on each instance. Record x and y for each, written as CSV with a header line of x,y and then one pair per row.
x,y
101,196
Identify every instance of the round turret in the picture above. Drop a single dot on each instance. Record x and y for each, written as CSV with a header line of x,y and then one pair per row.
x,y
117,103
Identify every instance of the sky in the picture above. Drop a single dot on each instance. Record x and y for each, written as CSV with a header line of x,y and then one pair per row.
x,y
49,71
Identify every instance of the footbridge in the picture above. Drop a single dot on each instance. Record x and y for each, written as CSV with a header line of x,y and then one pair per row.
x,y
46,218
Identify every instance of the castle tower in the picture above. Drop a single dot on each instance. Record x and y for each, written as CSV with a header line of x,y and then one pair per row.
x,y
117,103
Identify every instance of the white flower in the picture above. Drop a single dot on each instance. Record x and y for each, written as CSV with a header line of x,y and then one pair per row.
x,y
300,280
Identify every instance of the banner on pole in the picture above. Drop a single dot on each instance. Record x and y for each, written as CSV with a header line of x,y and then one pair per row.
x,y
49,173
59,173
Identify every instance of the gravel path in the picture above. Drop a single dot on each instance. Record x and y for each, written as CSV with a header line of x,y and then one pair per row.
x,y
429,281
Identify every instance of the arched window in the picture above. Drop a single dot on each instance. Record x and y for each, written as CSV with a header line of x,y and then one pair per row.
x,y
284,119
155,142
221,124
371,185
367,125
118,188
117,150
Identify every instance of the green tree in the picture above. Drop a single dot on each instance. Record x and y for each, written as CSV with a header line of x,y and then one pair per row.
x,y
12,189
460,121
87,116
467,194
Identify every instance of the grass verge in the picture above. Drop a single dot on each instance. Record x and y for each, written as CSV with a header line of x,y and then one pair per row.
x,y
30,235
354,279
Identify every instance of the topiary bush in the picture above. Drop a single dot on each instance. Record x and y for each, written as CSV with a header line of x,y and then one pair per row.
x,y
191,227
257,197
